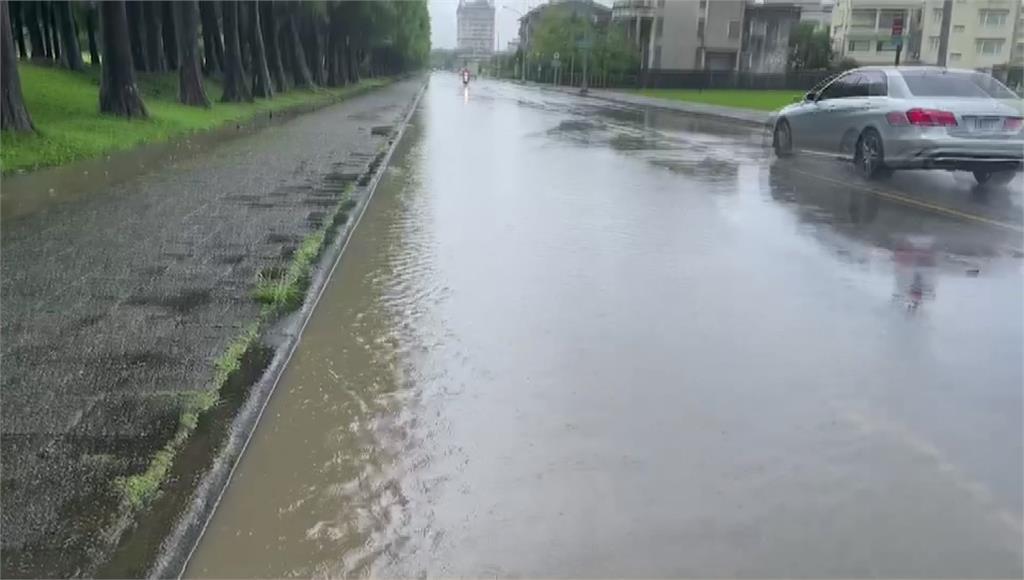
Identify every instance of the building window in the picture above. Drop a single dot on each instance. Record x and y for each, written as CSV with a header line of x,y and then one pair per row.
x,y
992,18
657,57
703,4
955,56
933,42
886,46
937,15
661,3
958,28
734,29
863,19
886,17
1019,49
859,46
990,46
659,27
700,27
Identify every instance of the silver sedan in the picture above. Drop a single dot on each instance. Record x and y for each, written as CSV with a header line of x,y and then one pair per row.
x,y
886,118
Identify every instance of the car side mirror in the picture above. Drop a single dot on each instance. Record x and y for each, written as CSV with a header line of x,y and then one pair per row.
x,y
811,96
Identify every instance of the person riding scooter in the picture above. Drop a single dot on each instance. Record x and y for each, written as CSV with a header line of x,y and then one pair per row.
x,y
465,76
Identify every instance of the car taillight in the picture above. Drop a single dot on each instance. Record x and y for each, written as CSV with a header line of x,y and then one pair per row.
x,y
1013,123
923,118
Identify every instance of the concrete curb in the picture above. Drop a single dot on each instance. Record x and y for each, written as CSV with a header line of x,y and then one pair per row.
x,y
178,547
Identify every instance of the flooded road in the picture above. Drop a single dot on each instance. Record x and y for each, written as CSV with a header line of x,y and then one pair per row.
x,y
575,340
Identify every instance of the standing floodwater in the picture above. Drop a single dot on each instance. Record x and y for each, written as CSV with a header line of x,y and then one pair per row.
x,y
569,340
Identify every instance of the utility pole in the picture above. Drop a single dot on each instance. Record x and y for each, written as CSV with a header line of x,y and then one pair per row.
x,y
947,19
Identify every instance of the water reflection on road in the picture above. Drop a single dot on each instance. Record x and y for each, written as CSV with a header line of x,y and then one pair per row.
x,y
571,339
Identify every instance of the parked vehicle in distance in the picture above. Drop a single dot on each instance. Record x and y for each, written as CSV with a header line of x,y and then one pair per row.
x,y
888,118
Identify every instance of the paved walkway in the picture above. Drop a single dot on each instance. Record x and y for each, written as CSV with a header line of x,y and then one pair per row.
x,y
117,303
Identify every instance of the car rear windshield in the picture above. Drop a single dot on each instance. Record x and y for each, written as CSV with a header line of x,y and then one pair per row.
x,y
955,84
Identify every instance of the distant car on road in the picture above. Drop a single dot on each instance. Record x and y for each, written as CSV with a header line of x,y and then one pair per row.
x,y
887,118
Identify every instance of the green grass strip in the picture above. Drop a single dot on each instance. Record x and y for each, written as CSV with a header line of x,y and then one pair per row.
x,y
136,491
64,106
735,98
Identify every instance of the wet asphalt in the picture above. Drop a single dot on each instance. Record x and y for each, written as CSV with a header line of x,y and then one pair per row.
x,y
576,339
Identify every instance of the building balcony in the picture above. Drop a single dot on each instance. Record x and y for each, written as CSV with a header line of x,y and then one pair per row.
x,y
626,9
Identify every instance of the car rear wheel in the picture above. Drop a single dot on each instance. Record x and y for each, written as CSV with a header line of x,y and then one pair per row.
x,y
782,140
993,177
870,155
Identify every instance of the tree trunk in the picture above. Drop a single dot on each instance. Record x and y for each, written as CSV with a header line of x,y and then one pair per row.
x,y
235,88
170,35
268,23
261,85
35,32
353,60
153,16
337,65
190,81
314,52
17,9
54,35
119,94
136,34
44,19
72,52
90,30
244,36
213,48
300,70
13,114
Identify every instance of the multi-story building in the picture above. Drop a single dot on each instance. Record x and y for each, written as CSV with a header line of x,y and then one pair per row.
x,y
766,31
475,27
982,33
684,34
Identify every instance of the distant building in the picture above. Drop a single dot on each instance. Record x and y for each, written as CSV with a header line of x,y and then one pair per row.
x,y
512,46
684,35
983,35
475,27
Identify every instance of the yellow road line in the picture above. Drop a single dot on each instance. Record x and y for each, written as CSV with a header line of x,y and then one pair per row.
x,y
917,203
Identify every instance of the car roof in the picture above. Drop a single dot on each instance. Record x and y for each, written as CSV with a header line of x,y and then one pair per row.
x,y
894,70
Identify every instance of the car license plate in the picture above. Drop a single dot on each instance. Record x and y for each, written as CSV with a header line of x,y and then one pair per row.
x,y
988,124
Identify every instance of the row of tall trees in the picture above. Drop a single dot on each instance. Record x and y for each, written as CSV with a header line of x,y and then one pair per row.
x,y
569,32
256,48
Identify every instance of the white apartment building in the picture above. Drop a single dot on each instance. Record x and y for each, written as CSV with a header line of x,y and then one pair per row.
x,y
983,33
684,34
475,26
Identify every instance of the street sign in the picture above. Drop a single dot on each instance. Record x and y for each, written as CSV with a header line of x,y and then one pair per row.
x,y
585,43
897,26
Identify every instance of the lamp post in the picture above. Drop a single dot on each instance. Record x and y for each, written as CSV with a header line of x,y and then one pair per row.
x,y
522,47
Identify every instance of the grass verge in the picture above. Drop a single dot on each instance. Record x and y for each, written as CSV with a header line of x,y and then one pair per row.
x,y
278,294
282,291
64,106
137,490
736,98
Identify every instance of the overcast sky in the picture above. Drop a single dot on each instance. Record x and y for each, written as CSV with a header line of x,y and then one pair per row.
x,y
506,26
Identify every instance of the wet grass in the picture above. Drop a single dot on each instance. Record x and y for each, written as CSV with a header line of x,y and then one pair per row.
x,y
64,106
740,99
282,290
136,491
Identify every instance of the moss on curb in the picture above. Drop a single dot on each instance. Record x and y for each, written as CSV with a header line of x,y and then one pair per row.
x,y
278,294
138,490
